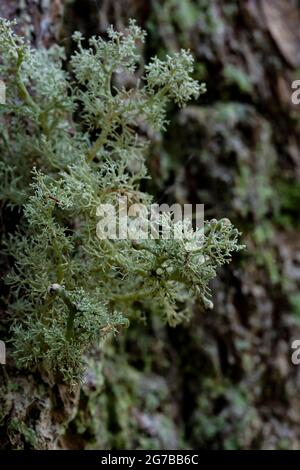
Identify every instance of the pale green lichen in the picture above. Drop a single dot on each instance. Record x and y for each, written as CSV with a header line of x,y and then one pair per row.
x,y
71,142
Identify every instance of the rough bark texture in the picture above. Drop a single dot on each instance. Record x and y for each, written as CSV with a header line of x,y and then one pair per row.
x,y
226,379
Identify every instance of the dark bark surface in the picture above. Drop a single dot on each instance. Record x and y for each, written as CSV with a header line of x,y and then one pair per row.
x,y
225,380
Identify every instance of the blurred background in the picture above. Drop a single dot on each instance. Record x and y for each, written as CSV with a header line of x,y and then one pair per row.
x,y
225,380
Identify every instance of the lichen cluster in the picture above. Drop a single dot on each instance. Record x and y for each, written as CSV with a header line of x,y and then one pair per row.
x,y
73,138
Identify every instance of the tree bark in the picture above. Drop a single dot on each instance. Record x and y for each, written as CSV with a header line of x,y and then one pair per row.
x,y
225,380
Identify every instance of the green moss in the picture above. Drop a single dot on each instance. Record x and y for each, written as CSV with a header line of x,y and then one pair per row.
x,y
235,76
20,429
